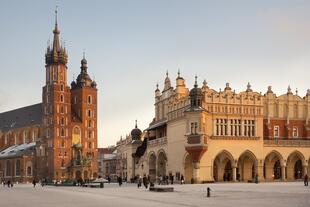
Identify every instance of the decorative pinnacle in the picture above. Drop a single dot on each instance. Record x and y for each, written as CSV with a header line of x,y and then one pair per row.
x,y
178,72
204,82
196,85
289,90
136,124
296,91
83,53
56,15
167,73
157,86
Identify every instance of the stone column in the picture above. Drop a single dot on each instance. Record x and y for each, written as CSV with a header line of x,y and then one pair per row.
x,y
234,172
228,127
196,167
242,126
305,170
283,172
260,169
133,168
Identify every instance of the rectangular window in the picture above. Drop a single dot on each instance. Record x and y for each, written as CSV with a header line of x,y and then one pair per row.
x,y
295,132
276,131
192,128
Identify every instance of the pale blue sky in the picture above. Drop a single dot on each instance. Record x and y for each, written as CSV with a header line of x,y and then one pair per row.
x,y
130,45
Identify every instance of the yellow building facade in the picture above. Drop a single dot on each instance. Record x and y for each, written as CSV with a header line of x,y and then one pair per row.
x,y
207,135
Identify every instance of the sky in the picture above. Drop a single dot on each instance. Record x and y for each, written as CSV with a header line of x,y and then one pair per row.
x,y
130,45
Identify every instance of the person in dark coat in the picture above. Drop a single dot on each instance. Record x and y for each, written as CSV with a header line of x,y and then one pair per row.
x,y
120,182
306,180
109,179
145,181
34,182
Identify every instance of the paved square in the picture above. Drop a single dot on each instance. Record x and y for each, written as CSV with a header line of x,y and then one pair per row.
x,y
224,194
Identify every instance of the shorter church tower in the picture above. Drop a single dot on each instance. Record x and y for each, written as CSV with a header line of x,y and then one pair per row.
x,y
84,125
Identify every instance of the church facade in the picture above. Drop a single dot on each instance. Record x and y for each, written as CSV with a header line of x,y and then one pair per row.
x,y
207,135
55,139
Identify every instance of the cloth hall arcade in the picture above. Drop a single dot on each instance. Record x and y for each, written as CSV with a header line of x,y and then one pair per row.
x,y
209,135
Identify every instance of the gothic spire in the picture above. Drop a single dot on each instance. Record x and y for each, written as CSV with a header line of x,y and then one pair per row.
x,y
56,54
56,31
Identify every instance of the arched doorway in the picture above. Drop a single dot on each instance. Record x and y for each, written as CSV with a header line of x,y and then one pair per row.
x,y
298,170
77,175
294,166
85,175
222,167
272,166
161,163
277,170
152,167
188,168
95,175
246,166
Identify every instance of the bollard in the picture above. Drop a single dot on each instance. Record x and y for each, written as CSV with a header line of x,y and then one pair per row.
x,y
208,192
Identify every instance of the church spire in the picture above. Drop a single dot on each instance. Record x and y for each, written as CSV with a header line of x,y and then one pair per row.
x,y
56,54
56,31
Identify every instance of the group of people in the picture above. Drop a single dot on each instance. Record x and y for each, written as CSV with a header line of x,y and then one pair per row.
x,y
145,180
165,179
8,183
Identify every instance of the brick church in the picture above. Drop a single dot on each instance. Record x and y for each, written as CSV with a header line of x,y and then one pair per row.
x,y
55,139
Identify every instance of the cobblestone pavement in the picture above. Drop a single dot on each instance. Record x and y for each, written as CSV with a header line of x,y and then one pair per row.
x,y
291,194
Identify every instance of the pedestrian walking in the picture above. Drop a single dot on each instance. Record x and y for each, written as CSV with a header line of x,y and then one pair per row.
x,y
145,182
109,179
34,183
182,179
256,179
120,181
306,180
139,181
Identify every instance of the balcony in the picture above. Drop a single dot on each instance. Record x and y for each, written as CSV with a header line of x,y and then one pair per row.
x,y
157,141
196,140
80,162
291,142
196,145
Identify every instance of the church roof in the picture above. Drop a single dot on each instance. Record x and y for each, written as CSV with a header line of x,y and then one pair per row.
x,y
17,150
22,117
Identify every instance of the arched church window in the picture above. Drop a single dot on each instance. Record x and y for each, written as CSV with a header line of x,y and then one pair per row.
x,y
89,99
55,73
62,132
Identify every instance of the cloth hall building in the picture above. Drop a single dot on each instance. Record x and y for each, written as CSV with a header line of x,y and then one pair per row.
x,y
55,139
208,135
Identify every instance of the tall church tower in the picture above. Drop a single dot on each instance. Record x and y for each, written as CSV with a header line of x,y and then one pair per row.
x,y
56,101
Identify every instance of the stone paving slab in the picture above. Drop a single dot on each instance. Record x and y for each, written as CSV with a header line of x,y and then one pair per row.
x,y
290,194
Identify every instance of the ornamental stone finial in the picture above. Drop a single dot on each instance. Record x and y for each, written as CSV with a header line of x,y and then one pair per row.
x,y
289,90
248,87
